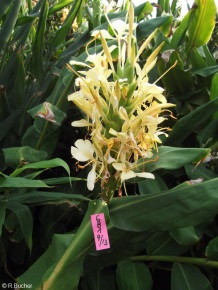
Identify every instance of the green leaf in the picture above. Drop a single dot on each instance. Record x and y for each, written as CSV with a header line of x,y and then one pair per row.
x,y
43,164
161,243
132,243
208,56
143,9
214,91
5,4
185,236
177,80
180,32
2,213
206,71
200,171
212,249
61,180
100,279
56,250
174,8
166,27
17,156
214,87
63,30
9,23
58,6
24,216
197,60
175,208
44,141
173,158
19,85
160,9
184,126
44,197
23,32
133,276
145,28
20,182
188,277
8,123
199,33
208,135
148,186
56,273
39,43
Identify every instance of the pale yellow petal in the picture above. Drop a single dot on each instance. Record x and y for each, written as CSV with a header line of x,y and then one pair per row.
x,y
112,132
83,151
81,123
91,179
145,175
74,62
103,32
127,175
119,166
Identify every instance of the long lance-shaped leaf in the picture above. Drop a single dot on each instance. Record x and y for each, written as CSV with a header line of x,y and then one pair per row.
x,y
173,158
43,164
133,276
199,33
62,32
179,34
176,208
20,182
24,216
38,45
45,197
145,28
9,24
66,272
5,4
187,124
7,124
33,15
2,213
214,92
19,86
58,6
17,156
188,277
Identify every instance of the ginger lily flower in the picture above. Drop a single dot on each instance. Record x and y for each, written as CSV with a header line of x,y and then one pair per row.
x,y
122,110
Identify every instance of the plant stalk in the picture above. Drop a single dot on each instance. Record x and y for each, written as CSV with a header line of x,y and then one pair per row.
x,y
177,259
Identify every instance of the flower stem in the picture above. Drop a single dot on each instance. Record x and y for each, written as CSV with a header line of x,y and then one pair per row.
x,y
178,259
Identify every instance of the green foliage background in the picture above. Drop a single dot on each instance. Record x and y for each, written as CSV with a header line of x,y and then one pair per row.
x,y
164,234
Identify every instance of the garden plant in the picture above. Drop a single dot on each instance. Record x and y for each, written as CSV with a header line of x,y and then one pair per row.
x,y
108,109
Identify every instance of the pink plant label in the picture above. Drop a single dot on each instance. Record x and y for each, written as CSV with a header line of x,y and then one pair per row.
x,y
100,231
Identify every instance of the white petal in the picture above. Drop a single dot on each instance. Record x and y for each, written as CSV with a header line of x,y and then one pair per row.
x,y
103,32
119,166
113,132
127,175
84,150
91,179
78,155
123,114
81,123
145,175
79,63
110,159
